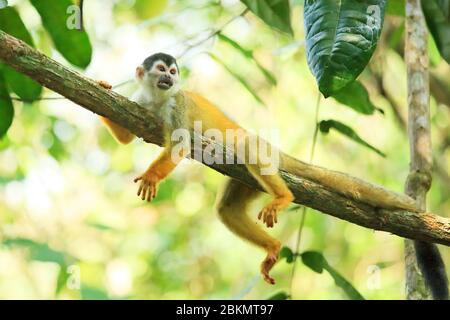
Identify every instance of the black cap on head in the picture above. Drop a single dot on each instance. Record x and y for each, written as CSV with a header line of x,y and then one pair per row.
x,y
166,58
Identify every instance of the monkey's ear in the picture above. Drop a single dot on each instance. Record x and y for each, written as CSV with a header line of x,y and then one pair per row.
x,y
140,72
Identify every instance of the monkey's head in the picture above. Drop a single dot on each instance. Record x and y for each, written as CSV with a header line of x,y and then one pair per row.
x,y
160,73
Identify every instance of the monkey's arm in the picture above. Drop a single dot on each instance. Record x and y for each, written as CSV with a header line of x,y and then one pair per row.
x,y
156,172
121,134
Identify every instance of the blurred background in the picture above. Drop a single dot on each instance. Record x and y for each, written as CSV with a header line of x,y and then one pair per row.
x,y
72,227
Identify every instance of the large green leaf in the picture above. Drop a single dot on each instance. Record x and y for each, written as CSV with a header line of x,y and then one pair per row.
x,y
341,37
326,125
437,15
275,13
249,55
73,44
6,108
356,97
23,86
317,262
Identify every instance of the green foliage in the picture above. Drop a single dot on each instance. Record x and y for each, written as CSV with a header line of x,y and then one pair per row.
x,y
74,44
249,55
326,125
317,262
243,81
23,86
396,7
145,9
287,253
275,13
38,251
72,200
282,295
6,107
437,15
356,97
89,293
341,37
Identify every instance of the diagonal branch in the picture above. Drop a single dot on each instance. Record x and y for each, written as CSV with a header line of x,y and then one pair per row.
x,y
140,121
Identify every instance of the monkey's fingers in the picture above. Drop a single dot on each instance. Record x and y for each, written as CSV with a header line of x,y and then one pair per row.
x,y
137,179
260,214
151,193
154,191
144,190
104,84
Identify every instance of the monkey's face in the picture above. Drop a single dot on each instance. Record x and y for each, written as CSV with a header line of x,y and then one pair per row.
x,y
159,72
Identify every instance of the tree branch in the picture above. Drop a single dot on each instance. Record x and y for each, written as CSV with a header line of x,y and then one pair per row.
x,y
143,123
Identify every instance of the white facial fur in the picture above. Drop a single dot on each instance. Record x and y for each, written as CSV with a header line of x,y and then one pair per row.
x,y
151,80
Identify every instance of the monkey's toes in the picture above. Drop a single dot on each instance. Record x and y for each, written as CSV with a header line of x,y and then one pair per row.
x,y
104,84
268,215
266,266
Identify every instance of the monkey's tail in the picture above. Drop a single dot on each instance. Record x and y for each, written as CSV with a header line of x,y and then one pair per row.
x,y
351,187
433,269
428,257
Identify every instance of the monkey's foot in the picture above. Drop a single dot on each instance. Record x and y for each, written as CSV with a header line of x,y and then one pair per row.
x,y
268,214
268,263
148,186
104,84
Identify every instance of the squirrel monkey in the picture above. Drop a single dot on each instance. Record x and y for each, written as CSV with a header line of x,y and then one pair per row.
x,y
158,78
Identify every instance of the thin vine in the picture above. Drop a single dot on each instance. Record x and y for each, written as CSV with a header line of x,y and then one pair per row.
x,y
304,208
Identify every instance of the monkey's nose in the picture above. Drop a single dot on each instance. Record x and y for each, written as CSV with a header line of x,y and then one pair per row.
x,y
165,82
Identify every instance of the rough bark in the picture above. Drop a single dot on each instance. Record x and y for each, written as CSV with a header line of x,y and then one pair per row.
x,y
420,176
140,121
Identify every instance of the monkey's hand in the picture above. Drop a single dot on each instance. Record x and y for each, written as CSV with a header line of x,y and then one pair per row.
x,y
148,186
104,84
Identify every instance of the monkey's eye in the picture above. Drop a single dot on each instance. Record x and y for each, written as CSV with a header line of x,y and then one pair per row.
x,y
173,71
161,68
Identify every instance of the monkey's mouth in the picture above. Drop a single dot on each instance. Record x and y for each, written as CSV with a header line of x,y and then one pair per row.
x,y
165,84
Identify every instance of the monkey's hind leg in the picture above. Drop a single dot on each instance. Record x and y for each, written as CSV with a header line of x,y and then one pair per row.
x,y
232,206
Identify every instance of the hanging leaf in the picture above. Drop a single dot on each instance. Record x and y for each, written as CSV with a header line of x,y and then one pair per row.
x,y
6,107
238,77
356,97
73,44
341,37
326,125
317,262
282,295
287,253
437,15
249,55
275,13
23,86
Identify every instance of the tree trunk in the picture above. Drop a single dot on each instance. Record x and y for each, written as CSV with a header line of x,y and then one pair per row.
x,y
419,179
